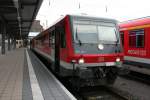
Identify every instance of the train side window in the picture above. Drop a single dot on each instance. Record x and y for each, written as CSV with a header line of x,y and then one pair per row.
x,y
136,38
122,38
52,39
41,39
49,39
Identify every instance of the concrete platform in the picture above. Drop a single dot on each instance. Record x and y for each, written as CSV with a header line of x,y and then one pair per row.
x,y
24,77
11,75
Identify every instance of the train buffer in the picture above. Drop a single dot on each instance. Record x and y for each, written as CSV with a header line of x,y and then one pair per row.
x,y
24,77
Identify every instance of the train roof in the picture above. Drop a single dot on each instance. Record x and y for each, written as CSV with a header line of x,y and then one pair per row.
x,y
135,23
93,17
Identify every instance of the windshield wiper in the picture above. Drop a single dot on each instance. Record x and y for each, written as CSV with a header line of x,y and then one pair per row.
x,y
77,37
117,41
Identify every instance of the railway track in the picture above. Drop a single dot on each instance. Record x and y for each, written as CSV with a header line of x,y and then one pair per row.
x,y
138,77
98,93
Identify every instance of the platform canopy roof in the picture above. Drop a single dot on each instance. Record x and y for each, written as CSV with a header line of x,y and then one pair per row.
x,y
18,15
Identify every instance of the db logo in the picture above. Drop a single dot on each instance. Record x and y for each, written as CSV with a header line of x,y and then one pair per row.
x,y
101,59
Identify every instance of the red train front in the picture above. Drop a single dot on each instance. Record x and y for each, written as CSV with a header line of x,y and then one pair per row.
x,y
84,49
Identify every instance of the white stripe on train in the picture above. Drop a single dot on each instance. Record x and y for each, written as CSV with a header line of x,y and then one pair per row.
x,y
137,59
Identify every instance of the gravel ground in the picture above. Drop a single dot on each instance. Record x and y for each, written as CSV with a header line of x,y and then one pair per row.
x,y
133,90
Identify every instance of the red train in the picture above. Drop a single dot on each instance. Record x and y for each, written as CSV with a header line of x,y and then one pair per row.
x,y
135,38
82,48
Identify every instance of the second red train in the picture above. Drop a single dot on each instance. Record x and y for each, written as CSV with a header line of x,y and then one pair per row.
x,y
135,36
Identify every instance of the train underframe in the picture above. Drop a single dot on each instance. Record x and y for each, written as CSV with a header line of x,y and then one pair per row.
x,y
90,76
95,76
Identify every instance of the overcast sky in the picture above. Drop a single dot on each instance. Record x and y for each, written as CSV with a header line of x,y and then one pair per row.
x,y
120,10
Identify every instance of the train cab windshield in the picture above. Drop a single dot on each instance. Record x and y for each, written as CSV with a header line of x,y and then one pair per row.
x,y
94,32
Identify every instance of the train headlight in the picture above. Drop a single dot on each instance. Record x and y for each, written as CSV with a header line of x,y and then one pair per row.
x,y
81,61
117,59
73,61
100,46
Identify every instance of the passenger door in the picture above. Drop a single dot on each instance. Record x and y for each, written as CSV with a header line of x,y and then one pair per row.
x,y
57,50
